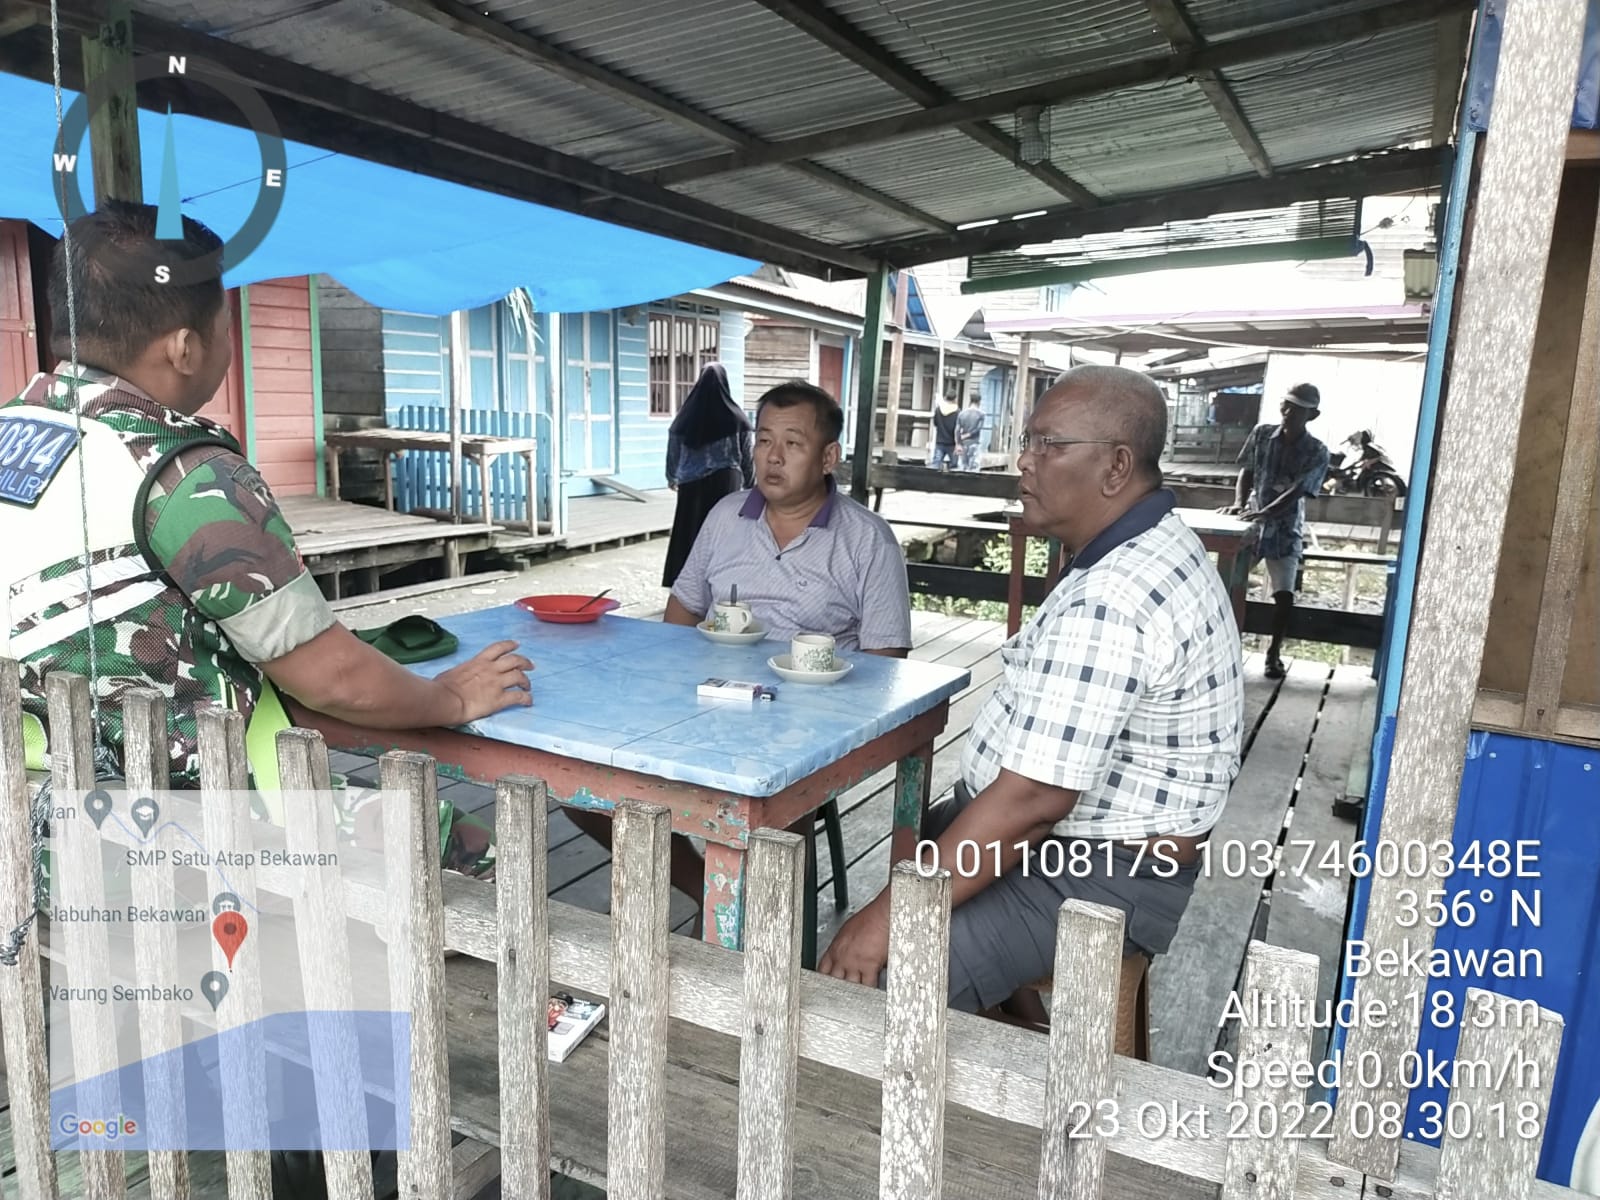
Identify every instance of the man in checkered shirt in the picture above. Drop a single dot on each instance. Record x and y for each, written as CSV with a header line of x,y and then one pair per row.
x,y
1115,728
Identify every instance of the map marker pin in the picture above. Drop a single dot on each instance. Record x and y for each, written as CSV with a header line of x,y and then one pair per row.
x,y
229,930
98,805
215,986
144,812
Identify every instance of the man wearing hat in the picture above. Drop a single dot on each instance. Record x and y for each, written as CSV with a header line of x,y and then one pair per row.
x,y
1280,465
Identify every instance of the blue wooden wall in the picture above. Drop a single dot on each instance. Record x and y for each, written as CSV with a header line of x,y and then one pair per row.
x,y
416,360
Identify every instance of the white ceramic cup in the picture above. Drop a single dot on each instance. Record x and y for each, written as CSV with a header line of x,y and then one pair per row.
x,y
812,652
731,618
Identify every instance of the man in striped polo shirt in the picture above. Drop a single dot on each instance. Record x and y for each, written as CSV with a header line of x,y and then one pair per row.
x,y
805,557
1102,759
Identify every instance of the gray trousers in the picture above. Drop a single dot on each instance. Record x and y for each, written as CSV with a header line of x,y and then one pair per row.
x,y
1005,936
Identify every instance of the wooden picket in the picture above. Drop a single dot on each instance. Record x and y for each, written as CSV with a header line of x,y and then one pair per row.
x,y
920,1055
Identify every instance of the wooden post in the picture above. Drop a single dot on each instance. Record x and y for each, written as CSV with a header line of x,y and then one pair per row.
x,y
21,987
636,1147
324,946
242,1062
460,392
79,881
1521,177
897,357
114,125
523,914
1574,503
911,1166
1022,404
1520,1052
416,966
1083,1036
1264,1167
770,1049
867,391
155,948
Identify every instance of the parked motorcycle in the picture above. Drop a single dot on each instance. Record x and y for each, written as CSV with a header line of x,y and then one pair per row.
x,y
1369,473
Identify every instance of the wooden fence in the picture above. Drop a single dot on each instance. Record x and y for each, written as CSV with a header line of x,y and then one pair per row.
x,y
1091,1116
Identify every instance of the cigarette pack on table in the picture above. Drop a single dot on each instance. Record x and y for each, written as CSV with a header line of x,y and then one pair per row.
x,y
570,1021
735,689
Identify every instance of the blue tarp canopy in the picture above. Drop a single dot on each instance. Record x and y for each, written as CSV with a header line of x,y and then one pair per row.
x,y
397,239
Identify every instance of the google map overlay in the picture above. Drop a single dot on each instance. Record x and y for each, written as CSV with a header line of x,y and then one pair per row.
x,y
188,1009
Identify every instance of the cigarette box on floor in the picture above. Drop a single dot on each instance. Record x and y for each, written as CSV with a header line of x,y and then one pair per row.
x,y
735,689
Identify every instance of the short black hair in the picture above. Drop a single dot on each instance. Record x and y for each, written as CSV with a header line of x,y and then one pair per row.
x,y
830,417
119,306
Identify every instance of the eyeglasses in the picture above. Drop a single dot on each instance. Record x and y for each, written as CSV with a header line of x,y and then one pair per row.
x,y
1038,443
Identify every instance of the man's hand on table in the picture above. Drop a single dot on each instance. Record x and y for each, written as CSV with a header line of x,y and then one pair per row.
x,y
860,951
489,681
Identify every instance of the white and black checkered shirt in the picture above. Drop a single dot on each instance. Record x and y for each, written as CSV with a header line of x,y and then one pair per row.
x,y
1126,686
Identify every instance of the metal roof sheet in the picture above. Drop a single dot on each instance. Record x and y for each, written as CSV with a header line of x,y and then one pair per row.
x,y
948,174
740,62
1325,104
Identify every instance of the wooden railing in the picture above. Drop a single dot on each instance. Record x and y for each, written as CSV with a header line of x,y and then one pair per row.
x,y
1095,1114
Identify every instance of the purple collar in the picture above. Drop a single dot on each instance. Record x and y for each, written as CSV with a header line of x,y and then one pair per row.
x,y
755,504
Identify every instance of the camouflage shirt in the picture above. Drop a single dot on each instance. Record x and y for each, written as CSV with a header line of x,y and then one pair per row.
x,y
216,587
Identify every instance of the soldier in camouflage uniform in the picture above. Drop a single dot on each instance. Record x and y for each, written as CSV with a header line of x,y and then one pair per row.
x,y
197,588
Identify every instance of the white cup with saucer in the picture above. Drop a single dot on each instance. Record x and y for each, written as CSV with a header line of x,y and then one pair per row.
x,y
731,618
812,652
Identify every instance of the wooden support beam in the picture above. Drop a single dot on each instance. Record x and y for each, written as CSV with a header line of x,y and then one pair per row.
x,y
897,361
867,392
1573,520
1449,71
844,39
12,23
1296,38
1021,405
114,119
335,114
1180,30
1515,209
1375,175
466,21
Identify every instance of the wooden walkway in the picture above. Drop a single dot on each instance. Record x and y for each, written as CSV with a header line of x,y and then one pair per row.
x,y
1303,739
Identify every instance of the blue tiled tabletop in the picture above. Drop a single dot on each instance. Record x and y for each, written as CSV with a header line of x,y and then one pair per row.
x,y
620,692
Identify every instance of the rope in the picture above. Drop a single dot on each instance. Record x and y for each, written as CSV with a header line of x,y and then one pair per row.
x,y
105,763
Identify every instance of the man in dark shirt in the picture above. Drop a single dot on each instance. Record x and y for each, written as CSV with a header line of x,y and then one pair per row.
x,y
1280,466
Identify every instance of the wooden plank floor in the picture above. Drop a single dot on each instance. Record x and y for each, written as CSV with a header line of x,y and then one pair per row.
x,y
1302,736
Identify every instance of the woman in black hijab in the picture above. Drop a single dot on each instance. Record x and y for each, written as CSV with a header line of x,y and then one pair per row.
x,y
709,456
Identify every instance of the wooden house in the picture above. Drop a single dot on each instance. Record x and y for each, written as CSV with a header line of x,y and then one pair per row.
x,y
271,399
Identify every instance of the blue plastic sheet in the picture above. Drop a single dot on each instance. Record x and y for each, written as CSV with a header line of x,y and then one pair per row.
x,y
1480,84
397,239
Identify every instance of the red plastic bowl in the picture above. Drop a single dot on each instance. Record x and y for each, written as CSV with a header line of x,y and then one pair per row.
x,y
563,610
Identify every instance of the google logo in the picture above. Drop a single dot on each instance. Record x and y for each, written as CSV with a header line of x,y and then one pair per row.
x,y
118,1126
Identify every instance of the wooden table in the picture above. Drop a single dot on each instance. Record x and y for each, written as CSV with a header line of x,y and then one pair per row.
x,y
1222,535
482,449
615,716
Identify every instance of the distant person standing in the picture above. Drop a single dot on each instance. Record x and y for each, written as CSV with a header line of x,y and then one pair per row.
x,y
969,434
1280,466
944,434
708,457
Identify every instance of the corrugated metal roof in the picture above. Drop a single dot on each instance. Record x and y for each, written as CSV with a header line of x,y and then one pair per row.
x,y
970,47
738,61
1144,140
778,196
1325,104
1219,18
948,174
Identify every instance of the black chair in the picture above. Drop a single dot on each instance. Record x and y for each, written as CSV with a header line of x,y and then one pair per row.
x,y
828,814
